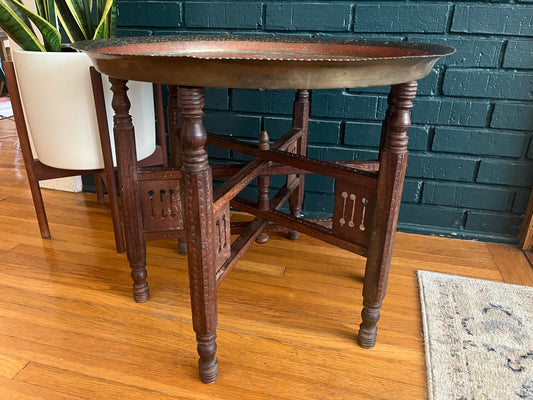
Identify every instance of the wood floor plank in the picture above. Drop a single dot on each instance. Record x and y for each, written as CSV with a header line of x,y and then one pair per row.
x,y
288,312
512,264
11,366
16,390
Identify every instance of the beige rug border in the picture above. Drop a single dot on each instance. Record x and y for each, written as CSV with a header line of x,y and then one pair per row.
x,y
425,332
419,274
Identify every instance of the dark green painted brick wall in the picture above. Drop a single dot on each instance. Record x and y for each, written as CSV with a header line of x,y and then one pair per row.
x,y
471,158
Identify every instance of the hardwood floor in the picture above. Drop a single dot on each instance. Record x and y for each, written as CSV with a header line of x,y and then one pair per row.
x,y
288,313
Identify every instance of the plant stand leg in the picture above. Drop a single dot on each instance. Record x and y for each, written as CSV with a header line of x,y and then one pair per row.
x,y
131,202
393,162
199,225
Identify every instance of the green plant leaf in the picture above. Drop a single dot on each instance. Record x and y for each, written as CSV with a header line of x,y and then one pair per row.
x,y
14,5
105,22
45,8
75,16
50,34
17,29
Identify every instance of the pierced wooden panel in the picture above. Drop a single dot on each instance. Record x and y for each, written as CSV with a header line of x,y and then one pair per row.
x,y
222,241
353,212
162,206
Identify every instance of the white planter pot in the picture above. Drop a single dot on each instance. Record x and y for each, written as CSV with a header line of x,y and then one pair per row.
x,y
58,104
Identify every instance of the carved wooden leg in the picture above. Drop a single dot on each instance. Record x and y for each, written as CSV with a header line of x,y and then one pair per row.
x,y
131,202
263,182
175,123
300,120
199,224
393,162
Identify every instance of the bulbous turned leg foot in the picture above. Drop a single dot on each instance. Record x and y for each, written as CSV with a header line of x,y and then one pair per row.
x,y
262,238
208,362
141,293
368,329
293,235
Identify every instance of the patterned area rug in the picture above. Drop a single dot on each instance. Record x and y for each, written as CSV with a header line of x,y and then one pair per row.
x,y
478,337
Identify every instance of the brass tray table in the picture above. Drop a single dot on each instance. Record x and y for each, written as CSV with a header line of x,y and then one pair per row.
x,y
180,202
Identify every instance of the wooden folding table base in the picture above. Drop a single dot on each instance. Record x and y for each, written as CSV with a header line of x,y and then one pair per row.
x,y
182,202
172,203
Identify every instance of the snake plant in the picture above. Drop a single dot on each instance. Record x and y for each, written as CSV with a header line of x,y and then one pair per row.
x,y
80,20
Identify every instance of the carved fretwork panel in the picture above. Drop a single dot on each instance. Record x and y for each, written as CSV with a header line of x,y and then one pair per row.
x,y
222,242
353,212
162,205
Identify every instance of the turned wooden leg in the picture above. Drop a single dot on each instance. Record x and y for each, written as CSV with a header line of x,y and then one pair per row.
x,y
300,119
263,183
131,201
393,162
199,225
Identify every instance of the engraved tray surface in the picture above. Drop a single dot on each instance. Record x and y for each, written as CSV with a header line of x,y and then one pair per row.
x,y
262,62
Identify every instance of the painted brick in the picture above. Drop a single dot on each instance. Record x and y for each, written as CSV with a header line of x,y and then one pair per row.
x,y
221,14
530,150
152,13
441,167
324,131
486,222
217,153
322,16
429,85
491,19
167,31
521,201
426,86
263,101
319,183
216,99
471,51
319,131
506,173
437,217
368,134
519,54
479,141
341,153
326,103
469,196
512,116
403,17
446,111
240,157
418,137
123,32
489,83
232,124
412,189
318,204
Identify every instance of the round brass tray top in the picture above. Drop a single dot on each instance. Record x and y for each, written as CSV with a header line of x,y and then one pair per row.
x,y
256,62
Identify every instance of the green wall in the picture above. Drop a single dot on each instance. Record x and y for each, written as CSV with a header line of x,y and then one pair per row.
x,y
471,159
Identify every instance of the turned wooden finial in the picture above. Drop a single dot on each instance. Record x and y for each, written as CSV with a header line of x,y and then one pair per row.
x,y
263,140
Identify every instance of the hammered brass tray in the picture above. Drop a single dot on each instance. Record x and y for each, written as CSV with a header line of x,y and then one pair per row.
x,y
235,61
